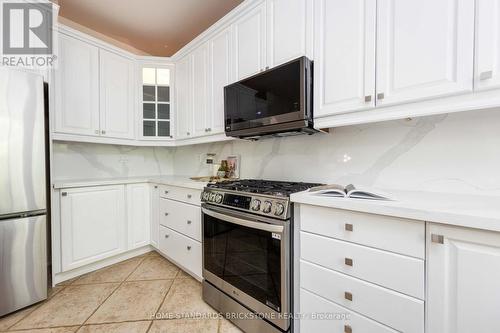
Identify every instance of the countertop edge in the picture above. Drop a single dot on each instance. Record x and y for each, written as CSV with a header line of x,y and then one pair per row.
x,y
403,210
161,180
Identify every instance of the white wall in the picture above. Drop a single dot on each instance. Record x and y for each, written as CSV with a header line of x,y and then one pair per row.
x,y
88,161
447,153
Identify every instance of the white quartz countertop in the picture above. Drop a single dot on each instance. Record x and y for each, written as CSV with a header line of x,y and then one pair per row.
x,y
474,211
182,181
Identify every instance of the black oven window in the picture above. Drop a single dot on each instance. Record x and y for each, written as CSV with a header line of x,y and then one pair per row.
x,y
248,259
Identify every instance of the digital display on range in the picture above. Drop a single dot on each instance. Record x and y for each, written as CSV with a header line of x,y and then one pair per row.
x,y
238,201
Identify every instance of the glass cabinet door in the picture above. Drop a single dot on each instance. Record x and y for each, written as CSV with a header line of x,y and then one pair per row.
x,y
156,92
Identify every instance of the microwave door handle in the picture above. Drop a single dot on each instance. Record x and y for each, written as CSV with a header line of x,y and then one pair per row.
x,y
244,222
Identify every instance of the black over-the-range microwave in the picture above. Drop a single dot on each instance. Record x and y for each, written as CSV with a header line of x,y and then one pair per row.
x,y
277,102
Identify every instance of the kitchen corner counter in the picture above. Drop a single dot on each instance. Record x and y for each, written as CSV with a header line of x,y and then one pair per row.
x,y
473,211
182,181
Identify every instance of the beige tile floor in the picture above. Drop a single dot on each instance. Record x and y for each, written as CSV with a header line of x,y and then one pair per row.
x,y
143,294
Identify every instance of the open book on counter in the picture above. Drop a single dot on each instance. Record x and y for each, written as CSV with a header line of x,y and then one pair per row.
x,y
349,191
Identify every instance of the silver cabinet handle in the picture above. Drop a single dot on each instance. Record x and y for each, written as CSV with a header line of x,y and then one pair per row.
x,y
166,192
349,227
209,129
348,262
188,133
189,196
347,329
189,248
437,239
166,214
368,98
348,296
166,236
486,75
189,222
156,186
380,96
103,132
64,194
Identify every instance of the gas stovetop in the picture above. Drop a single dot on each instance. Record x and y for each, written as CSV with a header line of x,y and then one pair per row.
x,y
263,197
267,187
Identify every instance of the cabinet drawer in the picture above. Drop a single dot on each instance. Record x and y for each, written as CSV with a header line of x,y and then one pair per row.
x,y
181,217
311,303
383,232
398,311
183,194
391,270
183,250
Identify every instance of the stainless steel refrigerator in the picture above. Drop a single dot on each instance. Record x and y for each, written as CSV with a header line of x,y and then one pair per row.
x,y
23,197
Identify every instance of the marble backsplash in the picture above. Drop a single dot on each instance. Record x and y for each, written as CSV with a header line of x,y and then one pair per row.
x,y
88,161
447,153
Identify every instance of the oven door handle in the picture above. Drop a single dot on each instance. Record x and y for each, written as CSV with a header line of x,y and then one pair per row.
x,y
243,222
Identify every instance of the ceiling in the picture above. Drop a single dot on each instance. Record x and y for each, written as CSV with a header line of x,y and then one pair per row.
x,y
156,27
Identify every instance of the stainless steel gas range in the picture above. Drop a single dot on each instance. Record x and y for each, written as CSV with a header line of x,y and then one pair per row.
x,y
247,251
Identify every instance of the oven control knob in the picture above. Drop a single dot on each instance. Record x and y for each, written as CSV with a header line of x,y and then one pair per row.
x,y
267,206
279,210
212,197
218,198
206,195
256,204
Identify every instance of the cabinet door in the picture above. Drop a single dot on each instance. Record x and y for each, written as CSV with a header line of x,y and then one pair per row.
x,y
77,88
289,30
155,215
487,66
117,95
463,269
220,76
424,49
344,69
139,215
93,224
250,42
200,90
183,88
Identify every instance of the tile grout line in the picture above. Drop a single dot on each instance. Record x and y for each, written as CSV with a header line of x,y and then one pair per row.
x,y
163,300
35,308
112,293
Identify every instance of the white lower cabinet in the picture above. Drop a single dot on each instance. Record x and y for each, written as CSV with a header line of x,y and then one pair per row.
x,y
463,280
369,267
183,250
155,215
93,224
325,316
180,227
139,215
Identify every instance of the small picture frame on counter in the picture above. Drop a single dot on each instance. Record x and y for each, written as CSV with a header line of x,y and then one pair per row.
x,y
233,162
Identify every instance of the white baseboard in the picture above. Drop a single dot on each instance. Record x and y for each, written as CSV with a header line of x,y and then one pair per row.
x,y
64,276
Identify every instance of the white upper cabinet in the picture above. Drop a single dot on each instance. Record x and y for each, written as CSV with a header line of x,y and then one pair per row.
x,y
424,49
117,95
487,66
289,28
250,42
200,90
139,215
463,269
220,76
344,70
77,88
184,116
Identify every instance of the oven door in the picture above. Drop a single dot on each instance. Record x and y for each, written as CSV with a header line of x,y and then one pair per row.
x,y
247,257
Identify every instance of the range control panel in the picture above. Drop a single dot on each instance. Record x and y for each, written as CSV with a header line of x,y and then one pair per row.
x,y
257,204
